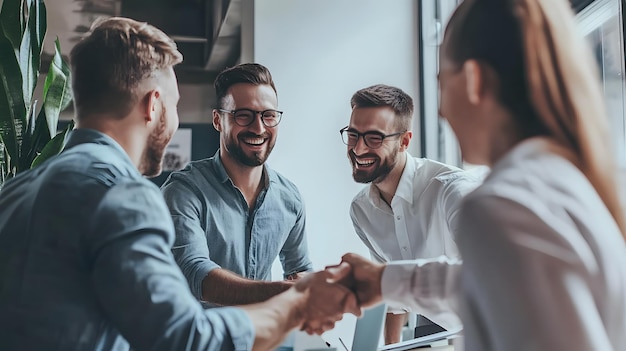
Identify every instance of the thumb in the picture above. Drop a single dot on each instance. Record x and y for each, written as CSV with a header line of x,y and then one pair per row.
x,y
351,258
338,272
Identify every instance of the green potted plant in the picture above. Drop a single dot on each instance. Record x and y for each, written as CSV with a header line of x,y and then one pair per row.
x,y
28,133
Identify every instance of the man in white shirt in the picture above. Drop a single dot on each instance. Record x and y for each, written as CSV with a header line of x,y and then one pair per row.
x,y
409,209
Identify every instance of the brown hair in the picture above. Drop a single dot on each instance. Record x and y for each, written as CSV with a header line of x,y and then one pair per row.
x,y
547,78
250,73
110,62
384,95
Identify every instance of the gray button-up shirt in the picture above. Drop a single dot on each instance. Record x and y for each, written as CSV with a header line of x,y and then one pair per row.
x,y
214,227
86,262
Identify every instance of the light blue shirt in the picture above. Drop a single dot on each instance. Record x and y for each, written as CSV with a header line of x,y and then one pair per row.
x,y
214,227
86,262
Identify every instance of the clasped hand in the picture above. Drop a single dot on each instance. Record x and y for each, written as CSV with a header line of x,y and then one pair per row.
x,y
344,288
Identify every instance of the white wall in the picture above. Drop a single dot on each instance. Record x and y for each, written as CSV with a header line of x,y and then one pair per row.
x,y
320,53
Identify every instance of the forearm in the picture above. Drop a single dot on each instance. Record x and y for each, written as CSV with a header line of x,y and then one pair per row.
x,y
226,288
433,288
274,318
160,314
393,327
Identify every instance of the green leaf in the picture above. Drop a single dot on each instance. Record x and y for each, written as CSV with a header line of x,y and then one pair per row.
x,y
40,25
12,106
32,143
12,21
30,52
3,163
37,30
57,92
53,147
40,137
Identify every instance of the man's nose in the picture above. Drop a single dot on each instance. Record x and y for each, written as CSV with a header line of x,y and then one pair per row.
x,y
257,125
360,148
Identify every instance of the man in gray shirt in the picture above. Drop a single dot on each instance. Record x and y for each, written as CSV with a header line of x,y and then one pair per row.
x,y
85,239
232,213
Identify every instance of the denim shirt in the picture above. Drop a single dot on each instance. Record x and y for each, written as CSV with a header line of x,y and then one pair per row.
x,y
86,262
214,227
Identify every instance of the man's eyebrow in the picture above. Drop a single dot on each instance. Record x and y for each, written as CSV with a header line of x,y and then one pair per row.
x,y
350,129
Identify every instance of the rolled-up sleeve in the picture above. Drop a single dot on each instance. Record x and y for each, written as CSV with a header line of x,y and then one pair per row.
x,y
294,254
139,286
190,249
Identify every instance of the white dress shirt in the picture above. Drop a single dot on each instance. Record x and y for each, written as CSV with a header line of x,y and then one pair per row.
x,y
421,221
544,264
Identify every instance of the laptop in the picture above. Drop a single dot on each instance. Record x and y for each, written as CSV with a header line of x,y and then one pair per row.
x,y
369,328
368,332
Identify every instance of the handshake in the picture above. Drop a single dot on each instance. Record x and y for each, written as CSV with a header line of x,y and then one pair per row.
x,y
344,288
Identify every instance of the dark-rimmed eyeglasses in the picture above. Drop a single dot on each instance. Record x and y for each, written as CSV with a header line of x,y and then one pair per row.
x,y
372,139
245,116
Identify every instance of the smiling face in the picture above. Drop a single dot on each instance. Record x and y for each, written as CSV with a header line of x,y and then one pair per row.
x,y
250,145
373,165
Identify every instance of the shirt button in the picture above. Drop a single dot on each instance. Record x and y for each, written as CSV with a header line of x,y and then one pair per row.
x,y
398,217
404,248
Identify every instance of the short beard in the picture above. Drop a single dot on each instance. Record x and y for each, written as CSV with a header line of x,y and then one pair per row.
x,y
256,159
374,176
152,159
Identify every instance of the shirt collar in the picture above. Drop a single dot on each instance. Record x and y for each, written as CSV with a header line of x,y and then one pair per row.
x,y
269,176
91,136
405,184
530,148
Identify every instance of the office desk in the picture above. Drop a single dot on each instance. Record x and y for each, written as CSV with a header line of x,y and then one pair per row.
x,y
452,344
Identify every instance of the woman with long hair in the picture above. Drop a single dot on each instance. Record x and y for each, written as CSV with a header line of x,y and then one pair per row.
x,y
542,241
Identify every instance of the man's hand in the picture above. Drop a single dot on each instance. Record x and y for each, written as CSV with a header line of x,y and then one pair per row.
x,y
326,301
364,279
296,276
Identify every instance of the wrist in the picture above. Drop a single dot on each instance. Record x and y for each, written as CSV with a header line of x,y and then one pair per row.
x,y
290,305
295,302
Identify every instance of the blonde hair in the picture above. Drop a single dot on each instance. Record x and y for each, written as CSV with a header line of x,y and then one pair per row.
x,y
556,90
109,63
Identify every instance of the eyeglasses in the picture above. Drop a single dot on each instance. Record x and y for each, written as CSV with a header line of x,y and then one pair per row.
x,y
244,116
372,139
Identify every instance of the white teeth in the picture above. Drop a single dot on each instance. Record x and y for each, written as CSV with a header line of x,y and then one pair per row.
x,y
255,141
364,162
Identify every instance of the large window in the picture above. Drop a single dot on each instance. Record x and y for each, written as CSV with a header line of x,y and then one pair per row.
x,y
437,139
600,21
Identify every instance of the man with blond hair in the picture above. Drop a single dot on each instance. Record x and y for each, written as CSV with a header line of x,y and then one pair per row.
x,y
85,239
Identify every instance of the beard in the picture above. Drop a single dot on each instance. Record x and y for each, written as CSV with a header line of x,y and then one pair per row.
x,y
152,159
373,175
256,158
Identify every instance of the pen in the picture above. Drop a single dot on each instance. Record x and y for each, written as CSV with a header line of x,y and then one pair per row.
x,y
342,344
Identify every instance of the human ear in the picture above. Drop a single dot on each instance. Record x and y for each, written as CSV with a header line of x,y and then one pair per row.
x,y
217,122
151,105
405,140
474,82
